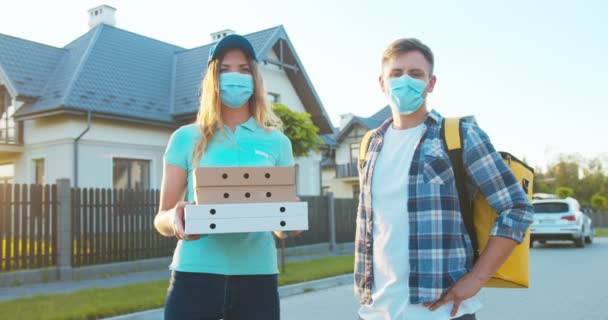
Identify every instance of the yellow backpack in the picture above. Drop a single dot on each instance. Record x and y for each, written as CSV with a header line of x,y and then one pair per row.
x,y
478,216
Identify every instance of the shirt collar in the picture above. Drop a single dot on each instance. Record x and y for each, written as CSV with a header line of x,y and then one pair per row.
x,y
433,117
250,124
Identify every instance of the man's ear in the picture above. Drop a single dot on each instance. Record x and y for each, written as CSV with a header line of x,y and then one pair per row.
x,y
382,83
431,85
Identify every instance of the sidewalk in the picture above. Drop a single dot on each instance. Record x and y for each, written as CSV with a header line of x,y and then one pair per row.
x,y
11,293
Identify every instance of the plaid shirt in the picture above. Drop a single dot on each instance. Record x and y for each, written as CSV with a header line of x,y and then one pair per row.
x,y
440,249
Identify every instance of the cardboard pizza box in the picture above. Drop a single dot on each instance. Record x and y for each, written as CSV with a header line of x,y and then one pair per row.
x,y
249,217
244,176
245,194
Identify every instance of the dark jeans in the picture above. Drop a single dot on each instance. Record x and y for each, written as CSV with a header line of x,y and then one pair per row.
x,y
205,296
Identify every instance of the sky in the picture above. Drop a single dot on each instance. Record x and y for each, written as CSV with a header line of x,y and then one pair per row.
x,y
533,73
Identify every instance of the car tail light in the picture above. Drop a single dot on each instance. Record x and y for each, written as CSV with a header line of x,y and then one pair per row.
x,y
569,218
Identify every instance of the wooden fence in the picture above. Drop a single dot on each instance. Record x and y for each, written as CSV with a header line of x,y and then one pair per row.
x,y
599,219
28,218
116,225
106,225
319,227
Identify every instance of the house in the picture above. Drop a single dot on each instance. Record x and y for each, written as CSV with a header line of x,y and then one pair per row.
x,y
100,110
341,153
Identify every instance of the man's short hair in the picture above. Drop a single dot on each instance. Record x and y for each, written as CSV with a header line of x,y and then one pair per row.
x,y
401,46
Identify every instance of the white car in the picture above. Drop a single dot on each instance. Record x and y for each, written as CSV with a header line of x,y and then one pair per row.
x,y
560,219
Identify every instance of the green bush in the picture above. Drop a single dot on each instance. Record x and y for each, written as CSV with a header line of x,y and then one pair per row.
x,y
298,127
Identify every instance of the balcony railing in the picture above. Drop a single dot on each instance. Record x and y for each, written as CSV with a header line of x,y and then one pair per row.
x,y
9,135
348,170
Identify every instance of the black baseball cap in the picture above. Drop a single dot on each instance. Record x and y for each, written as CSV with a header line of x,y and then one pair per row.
x,y
230,42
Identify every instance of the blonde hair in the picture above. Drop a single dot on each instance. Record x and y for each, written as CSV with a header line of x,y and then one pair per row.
x,y
209,117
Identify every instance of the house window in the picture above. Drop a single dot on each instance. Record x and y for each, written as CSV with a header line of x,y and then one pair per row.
x,y
326,190
8,133
356,192
131,174
274,97
354,152
38,171
7,173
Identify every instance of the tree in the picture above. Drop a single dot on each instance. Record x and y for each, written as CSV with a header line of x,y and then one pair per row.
x,y
586,177
599,202
565,171
298,127
564,192
542,182
592,183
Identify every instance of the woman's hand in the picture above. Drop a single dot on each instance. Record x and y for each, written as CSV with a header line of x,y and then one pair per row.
x,y
286,234
179,225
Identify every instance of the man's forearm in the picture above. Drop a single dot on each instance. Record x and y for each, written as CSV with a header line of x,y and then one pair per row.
x,y
493,256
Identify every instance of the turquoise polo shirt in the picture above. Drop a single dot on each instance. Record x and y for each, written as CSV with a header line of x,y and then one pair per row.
x,y
248,146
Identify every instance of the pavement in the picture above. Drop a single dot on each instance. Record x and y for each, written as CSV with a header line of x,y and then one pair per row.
x,y
566,283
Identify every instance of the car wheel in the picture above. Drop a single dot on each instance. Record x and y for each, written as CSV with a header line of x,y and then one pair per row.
x,y
580,242
531,244
589,239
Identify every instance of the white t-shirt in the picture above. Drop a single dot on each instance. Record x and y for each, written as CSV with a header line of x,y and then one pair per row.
x,y
390,289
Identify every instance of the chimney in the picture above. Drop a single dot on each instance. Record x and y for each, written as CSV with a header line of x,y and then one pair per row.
x,y
102,14
345,118
216,36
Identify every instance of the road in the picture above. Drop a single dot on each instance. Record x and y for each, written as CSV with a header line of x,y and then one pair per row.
x,y
567,283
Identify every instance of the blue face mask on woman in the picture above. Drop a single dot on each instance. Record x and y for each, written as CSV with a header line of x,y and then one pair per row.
x,y
235,88
405,94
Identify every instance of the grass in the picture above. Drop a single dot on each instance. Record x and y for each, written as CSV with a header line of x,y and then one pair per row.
x,y
106,302
600,232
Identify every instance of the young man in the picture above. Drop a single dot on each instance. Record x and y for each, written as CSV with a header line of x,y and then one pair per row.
x,y
413,256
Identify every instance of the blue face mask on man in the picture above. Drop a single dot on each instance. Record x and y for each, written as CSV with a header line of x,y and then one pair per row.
x,y
405,94
235,88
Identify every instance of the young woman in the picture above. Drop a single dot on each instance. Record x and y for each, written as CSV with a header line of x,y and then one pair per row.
x,y
229,276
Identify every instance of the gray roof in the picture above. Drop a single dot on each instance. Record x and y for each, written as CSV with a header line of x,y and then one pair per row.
x,y
329,139
378,118
368,123
118,73
110,71
27,76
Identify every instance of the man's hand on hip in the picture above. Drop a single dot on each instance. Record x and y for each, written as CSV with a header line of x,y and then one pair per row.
x,y
466,287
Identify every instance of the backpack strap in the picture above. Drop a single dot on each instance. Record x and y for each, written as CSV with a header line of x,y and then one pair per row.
x,y
364,145
451,135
